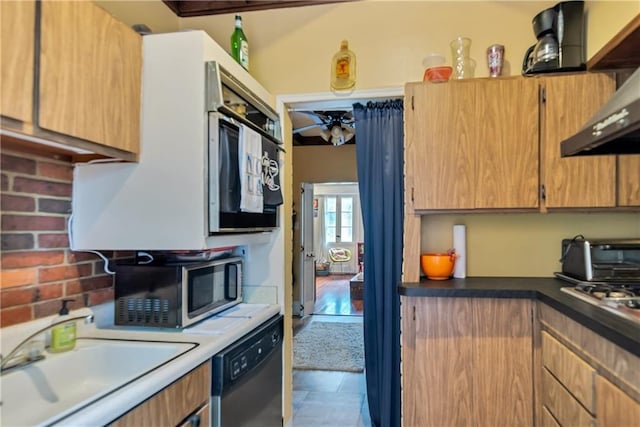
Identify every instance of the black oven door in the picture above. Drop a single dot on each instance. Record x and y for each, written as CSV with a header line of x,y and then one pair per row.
x,y
224,181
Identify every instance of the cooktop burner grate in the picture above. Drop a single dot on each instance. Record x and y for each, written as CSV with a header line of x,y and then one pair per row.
x,y
622,299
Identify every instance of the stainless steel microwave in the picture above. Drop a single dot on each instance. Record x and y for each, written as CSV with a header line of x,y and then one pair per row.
x,y
175,295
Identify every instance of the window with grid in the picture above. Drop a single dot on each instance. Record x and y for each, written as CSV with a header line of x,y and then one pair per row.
x,y
338,219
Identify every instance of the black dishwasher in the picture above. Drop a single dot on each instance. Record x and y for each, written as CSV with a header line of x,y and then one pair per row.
x,y
246,388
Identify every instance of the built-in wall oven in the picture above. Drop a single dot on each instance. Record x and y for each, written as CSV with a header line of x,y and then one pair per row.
x,y
243,149
246,387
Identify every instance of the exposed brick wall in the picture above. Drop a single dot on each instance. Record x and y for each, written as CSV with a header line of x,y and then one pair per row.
x,y
37,267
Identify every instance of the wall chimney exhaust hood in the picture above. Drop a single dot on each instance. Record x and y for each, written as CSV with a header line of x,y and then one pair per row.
x,y
614,129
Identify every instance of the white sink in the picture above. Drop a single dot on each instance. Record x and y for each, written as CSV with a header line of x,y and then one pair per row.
x,y
50,389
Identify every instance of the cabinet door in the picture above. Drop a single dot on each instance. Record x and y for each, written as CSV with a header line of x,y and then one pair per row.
x,y
581,182
615,407
503,362
506,143
440,145
90,75
629,180
173,404
437,371
17,43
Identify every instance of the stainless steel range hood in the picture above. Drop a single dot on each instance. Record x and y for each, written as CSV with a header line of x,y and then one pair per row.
x,y
614,129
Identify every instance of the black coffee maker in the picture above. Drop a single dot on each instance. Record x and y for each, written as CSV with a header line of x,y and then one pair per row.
x,y
560,33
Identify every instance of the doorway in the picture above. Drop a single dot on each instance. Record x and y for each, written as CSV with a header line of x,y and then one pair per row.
x,y
337,245
331,250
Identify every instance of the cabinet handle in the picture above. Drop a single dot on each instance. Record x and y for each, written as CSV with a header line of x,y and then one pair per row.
x,y
543,192
194,420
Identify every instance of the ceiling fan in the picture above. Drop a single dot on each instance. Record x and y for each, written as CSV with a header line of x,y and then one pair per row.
x,y
336,127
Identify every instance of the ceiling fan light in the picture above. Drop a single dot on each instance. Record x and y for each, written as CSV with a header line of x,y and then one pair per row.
x,y
349,132
325,134
337,135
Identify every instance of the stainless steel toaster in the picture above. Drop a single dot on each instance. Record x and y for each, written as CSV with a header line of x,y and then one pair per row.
x,y
601,259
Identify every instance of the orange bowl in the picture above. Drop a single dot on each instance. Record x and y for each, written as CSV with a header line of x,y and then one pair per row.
x,y
437,266
437,74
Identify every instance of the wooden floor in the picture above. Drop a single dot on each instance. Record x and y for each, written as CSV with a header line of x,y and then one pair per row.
x,y
333,298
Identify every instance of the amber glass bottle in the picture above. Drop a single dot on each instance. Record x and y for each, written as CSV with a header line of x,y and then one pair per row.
x,y
343,68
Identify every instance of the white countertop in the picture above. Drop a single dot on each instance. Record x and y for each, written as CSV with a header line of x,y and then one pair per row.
x,y
211,336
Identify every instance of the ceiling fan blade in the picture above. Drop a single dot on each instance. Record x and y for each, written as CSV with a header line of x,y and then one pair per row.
x,y
304,128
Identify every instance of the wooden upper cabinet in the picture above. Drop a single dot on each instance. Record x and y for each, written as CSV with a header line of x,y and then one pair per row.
x,y
574,182
506,123
440,149
629,180
17,34
90,75
472,144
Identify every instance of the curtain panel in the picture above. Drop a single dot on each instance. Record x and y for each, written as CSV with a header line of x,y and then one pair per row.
x,y
380,160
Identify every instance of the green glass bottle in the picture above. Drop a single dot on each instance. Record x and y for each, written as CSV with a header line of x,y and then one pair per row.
x,y
240,45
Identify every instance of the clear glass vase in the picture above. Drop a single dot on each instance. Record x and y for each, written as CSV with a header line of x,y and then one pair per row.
x,y
463,66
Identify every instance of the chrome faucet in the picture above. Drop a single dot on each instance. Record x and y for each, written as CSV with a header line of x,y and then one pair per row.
x,y
33,356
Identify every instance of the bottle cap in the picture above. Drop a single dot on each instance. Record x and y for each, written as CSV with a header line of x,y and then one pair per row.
x,y
64,310
344,44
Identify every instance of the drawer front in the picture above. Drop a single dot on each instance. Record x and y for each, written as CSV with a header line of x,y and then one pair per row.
x,y
573,372
564,408
547,419
174,403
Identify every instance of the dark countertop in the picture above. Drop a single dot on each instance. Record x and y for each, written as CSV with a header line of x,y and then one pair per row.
x,y
621,331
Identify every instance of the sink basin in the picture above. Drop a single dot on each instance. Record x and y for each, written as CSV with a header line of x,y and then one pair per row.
x,y
50,389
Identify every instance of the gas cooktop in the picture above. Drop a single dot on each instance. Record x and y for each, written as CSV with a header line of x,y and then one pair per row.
x,y
620,298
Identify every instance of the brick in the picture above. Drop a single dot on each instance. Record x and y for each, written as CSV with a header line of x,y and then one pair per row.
x,y
59,206
50,307
53,241
17,203
17,296
17,164
38,186
17,241
100,296
89,284
5,183
31,258
79,256
17,277
51,274
59,171
47,292
12,222
15,315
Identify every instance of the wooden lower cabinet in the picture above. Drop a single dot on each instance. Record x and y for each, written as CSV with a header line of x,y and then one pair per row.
x,y
185,402
467,361
615,407
200,418
578,370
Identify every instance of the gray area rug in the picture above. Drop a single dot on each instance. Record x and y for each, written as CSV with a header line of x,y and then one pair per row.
x,y
329,346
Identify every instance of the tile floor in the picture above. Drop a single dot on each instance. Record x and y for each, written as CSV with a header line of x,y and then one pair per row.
x,y
330,398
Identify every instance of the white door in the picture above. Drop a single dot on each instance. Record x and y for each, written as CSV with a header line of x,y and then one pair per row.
x,y
307,254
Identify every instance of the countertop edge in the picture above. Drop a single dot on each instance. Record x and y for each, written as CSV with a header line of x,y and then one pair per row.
x,y
620,331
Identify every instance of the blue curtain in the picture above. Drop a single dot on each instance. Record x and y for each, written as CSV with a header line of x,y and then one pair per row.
x,y
379,155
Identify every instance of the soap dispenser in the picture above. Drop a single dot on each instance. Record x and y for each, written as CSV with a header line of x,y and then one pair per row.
x,y
63,336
